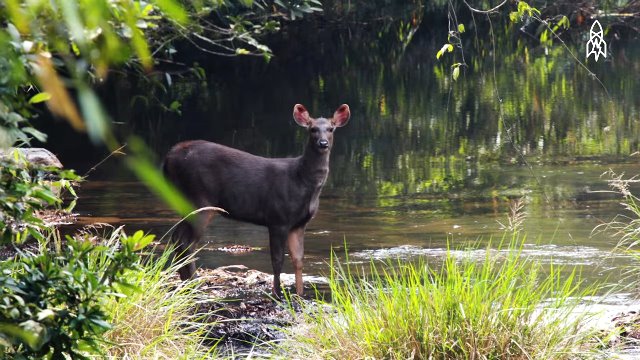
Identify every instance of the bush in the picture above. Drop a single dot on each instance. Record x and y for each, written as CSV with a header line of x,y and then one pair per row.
x,y
504,307
53,304
26,190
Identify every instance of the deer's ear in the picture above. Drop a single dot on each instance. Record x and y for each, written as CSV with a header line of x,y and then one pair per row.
x,y
341,116
301,115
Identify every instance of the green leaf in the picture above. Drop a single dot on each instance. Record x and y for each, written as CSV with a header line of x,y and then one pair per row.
x,y
173,9
127,288
543,36
155,181
96,120
142,240
522,7
445,47
71,206
45,314
35,234
456,72
175,106
40,136
147,10
460,28
46,195
40,97
75,49
31,338
141,47
101,323
73,20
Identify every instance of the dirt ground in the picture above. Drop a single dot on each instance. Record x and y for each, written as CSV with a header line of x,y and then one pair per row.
x,y
249,314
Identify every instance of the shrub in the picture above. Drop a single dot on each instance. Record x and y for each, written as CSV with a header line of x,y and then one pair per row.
x,y
53,304
25,190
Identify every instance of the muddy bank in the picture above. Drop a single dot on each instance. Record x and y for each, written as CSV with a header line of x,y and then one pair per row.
x,y
247,318
248,321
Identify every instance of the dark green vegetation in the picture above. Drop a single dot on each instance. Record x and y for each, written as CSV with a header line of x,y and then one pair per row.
x,y
428,123
53,300
55,295
26,191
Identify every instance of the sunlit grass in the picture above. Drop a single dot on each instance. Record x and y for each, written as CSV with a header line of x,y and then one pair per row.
x,y
159,319
503,307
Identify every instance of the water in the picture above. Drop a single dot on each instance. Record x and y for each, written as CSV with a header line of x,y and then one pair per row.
x,y
403,226
424,163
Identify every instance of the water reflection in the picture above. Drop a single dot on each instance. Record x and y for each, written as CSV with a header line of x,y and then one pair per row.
x,y
422,223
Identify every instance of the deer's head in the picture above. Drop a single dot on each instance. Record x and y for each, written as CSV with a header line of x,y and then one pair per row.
x,y
321,129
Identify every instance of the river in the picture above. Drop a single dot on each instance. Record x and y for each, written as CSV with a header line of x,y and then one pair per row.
x,y
425,162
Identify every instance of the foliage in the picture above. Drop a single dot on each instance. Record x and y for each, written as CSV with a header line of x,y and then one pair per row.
x,y
50,47
160,318
549,29
42,40
15,107
502,306
53,304
25,191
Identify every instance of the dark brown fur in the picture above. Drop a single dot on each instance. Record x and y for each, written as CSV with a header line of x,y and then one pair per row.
x,y
281,194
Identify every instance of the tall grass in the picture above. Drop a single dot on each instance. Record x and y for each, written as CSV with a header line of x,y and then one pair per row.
x,y
156,318
504,307
625,226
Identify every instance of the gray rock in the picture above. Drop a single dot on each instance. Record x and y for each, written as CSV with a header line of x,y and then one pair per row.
x,y
36,156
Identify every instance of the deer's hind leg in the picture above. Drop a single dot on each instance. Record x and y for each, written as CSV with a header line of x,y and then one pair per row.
x,y
277,242
185,238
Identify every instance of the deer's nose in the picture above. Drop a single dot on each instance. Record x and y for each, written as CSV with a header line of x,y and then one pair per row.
x,y
323,143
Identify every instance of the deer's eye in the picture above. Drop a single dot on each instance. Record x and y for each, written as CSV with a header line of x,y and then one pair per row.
x,y
314,130
330,130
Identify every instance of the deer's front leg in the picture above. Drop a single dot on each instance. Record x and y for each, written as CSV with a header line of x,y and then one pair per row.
x,y
277,240
295,241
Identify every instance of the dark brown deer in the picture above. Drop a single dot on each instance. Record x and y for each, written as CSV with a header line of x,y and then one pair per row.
x,y
281,194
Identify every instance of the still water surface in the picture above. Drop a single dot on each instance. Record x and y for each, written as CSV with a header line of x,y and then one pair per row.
x,y
405,226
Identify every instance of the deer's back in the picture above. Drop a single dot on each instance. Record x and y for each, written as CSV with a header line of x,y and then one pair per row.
x,y
251,188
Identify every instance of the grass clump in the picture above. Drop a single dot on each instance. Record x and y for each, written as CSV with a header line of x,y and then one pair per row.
x,y
503,306
157,318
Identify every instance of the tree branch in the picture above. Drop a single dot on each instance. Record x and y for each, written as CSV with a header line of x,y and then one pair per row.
x,y
484,11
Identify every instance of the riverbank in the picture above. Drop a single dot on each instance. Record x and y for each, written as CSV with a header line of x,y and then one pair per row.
x,y
251,323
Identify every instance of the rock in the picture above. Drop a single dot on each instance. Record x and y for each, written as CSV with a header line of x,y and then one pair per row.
x,y
628,325
36,156
237,249
43,157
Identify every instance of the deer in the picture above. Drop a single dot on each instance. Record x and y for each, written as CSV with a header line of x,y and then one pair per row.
x,y
281,194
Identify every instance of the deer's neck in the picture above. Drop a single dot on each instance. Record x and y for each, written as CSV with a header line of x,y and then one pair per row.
x,y
314,167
